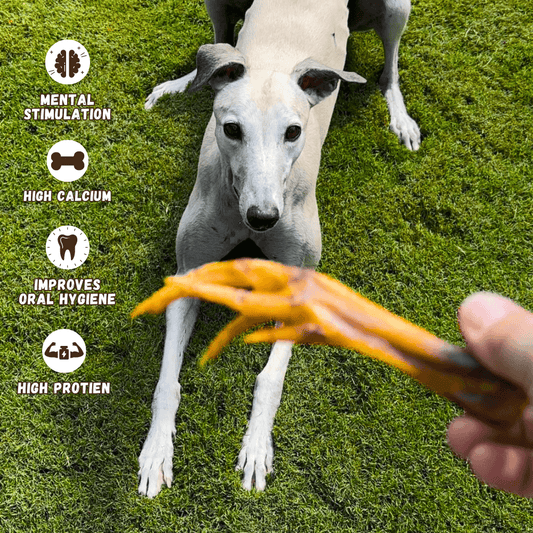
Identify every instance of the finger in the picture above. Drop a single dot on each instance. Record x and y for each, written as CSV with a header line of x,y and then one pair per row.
x,y
467,432
504,467
500,335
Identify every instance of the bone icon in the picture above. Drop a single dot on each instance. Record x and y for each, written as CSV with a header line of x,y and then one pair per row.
x,y
67,243
76,160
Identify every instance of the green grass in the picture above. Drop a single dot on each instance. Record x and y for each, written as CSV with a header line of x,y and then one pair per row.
x,y
359,446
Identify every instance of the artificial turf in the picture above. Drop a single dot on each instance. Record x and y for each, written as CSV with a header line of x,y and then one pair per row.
x,y
359,446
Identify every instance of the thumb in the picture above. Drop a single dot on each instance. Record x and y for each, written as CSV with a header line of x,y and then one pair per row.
x,y
499,333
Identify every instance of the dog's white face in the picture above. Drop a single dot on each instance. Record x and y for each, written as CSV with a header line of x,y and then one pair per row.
x,y
260,129
261,118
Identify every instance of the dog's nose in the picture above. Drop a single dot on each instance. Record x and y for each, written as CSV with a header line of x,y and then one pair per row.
x,y
262,220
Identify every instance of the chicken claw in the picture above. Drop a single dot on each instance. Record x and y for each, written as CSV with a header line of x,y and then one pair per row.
x,y
316,309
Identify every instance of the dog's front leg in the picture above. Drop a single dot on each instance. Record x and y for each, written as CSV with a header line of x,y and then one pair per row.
x,y
155,461
257,453
390,31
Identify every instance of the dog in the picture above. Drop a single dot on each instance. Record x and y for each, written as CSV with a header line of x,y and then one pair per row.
x,y
388,18
274,98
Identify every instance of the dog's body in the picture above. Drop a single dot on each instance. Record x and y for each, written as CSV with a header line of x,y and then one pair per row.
x,y
259,161
388,18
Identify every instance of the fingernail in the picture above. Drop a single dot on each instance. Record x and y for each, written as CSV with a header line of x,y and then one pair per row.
x,y
481,310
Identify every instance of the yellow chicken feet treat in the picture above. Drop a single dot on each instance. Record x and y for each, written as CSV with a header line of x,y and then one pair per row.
x,y
316,309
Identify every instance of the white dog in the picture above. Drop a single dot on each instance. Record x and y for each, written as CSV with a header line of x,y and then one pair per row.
x,y
274,97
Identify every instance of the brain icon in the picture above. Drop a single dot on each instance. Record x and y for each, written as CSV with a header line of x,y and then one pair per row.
x,y
61,63
73,63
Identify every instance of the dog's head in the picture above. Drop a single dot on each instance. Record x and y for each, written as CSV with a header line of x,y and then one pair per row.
x,y
261,120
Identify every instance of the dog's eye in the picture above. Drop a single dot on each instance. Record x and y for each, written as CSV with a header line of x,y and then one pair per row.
x,y
292,133
232,130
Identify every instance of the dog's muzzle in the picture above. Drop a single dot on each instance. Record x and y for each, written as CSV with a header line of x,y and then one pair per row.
x,y
262,220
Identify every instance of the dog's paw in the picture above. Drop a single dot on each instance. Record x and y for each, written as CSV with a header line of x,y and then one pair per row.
x,y
256,458
407,131
169,87
155,463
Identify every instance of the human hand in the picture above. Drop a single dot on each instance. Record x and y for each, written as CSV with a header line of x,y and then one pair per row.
x,y
500,335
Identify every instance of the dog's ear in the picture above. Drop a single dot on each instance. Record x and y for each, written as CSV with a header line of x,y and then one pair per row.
x,y
218,65
319,81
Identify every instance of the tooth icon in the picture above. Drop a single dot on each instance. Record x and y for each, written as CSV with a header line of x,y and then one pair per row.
x,y
67,242
67,239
